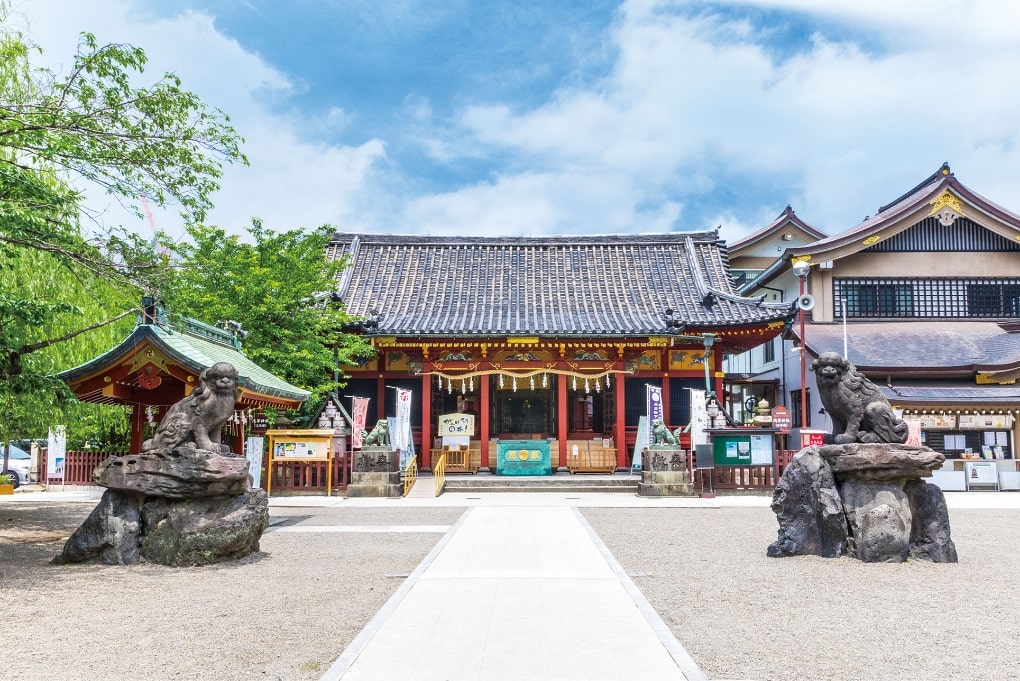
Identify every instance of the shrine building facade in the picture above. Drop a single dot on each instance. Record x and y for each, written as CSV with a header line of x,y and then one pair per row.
x,y
551,339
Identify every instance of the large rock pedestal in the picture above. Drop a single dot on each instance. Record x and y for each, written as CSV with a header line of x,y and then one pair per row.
x,y
868,500
376,474
664,473
192,507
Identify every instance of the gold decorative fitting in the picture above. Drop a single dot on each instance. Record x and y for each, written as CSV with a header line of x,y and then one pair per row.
x,y
947,207
873,239
522,340
107,379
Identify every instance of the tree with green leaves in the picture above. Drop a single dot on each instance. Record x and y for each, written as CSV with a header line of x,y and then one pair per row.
x,y
96,126
279,288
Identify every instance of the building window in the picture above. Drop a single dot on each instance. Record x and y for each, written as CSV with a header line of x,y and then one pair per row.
x,y
875,299
769,351
927,298
795,409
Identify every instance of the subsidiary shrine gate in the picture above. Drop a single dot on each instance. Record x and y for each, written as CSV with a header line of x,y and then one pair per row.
x,y
550,342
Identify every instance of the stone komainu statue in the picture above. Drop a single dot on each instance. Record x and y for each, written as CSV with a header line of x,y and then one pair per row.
x,y
858,409
198,419
380,434
661,434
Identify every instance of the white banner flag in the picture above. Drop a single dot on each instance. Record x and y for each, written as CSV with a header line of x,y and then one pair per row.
x,y
56,451
401,435
699,418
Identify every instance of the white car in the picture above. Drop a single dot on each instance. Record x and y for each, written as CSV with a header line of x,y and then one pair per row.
x,y
18,464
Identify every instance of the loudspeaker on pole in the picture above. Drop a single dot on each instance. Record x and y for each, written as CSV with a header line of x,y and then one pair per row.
x,y
806,302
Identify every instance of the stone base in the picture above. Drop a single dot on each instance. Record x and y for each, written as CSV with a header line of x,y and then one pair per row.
x,y
665,484
126,528
375,485
867,500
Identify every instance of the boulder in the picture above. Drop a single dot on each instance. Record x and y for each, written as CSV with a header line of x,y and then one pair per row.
x,y
930,538
880,462
205,530
186,473
110,533
878,516
809,510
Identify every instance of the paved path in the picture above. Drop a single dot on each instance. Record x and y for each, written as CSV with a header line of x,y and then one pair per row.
x,y
517,592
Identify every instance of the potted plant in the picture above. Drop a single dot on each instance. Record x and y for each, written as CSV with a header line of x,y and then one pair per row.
x,y
6,484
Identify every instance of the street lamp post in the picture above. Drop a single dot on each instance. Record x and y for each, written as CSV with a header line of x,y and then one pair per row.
x,y
801,269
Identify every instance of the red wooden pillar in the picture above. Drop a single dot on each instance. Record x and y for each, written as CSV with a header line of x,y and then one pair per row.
x,y
137,428
562,423
484,382
621,421
426,418
666,411
380,395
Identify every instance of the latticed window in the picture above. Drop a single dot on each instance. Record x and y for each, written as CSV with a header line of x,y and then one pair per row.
x,y
927,298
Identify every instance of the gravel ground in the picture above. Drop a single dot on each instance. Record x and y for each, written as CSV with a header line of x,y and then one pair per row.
x,y
285,613
288,612
741,615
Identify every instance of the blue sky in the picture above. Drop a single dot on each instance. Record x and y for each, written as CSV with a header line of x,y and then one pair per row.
x,y
528,117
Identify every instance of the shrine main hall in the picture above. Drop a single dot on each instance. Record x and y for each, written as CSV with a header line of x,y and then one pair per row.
x,y
551,339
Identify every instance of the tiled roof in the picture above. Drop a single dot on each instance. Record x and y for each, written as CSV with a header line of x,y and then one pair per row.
x,y
608,286
919,345
195,346
943,394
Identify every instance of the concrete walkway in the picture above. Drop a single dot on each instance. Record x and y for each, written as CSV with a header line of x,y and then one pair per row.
x,y
517,592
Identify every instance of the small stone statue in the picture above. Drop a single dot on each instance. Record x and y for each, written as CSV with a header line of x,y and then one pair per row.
x,y
380,434
661,434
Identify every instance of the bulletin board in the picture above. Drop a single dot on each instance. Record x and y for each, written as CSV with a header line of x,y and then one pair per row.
x,y
301,445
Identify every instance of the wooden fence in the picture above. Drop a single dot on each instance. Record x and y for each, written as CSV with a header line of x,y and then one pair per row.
x,y
762,477
78,466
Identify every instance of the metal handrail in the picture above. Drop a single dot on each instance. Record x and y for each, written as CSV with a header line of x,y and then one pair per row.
x,y
410,474
439,472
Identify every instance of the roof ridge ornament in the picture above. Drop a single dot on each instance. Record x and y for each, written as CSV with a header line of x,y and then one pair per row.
x,y
947,207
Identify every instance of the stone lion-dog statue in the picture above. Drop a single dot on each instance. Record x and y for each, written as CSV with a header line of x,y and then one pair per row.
x,y
858,409
198,419
661,434
380,434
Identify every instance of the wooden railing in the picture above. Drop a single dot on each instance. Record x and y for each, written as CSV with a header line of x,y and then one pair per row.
x,y
762,477
78,466
410,474
439,472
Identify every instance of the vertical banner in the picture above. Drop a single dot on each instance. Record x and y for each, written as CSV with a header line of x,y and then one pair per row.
x,y
56,451
653,399
699,418
253,452
402,432
360,409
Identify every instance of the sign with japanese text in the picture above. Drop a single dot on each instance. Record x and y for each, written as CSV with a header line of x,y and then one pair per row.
x,y
456,424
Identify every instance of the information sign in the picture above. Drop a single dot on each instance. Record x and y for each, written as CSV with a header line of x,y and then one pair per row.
x,y
781,419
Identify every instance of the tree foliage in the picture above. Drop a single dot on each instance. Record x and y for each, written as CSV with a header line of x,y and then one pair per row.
x,y
279,288
96,126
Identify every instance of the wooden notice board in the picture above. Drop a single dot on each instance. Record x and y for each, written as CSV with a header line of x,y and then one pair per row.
x,y
301,445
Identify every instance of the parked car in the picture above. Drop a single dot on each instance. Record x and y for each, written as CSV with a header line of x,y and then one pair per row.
x,y
18,464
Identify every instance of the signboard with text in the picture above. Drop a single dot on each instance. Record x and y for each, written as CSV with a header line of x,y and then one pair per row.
x,y
456,424
781,419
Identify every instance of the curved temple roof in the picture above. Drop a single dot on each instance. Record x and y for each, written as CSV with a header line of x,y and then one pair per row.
x,y
605,286
194,346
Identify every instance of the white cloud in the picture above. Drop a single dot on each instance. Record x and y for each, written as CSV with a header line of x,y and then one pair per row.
x,y
694,100
695,103
291,182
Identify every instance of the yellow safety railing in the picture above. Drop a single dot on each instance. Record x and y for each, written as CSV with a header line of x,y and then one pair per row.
x,y
439,471
410,474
